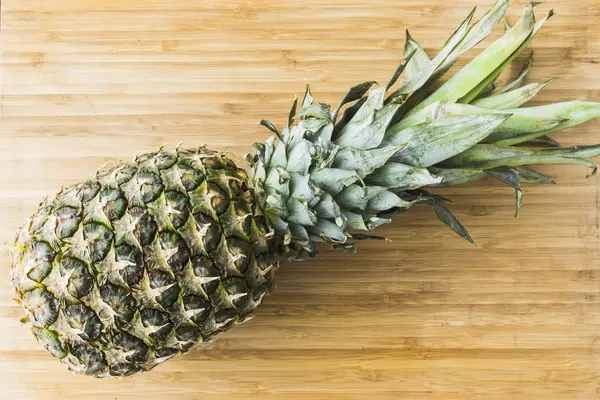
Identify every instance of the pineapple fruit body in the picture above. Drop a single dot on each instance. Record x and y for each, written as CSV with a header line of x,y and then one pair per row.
x,y
143,261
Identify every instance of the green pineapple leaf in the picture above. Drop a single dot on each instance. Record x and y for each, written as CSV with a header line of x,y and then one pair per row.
x,y
355,93
518,82
487,156
512,99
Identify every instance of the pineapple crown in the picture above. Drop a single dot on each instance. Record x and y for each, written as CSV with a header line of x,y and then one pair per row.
x,y
327,178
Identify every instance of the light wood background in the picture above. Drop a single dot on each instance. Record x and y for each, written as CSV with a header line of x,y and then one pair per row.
x,y
427,316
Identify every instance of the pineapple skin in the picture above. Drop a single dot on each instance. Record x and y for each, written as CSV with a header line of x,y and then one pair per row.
x,y
143,261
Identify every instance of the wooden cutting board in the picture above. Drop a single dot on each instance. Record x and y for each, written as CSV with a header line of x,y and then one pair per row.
x,y
426,316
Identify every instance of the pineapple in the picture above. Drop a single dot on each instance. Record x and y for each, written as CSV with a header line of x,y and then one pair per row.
x,y
148,259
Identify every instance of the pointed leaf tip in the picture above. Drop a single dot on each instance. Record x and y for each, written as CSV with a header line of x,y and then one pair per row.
x,y
308,99
442,212
509,176
446,216
418,60
293,112
269,125
519,200
355,93
401,67
594,171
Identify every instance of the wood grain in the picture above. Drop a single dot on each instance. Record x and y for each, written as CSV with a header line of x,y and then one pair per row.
x,y
427,316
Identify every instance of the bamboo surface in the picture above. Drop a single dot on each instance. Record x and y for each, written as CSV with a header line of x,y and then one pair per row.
x,y
426,316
